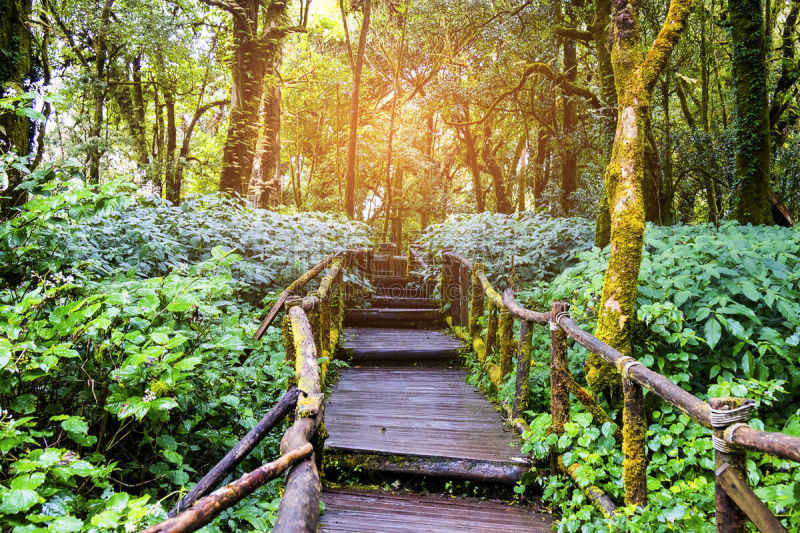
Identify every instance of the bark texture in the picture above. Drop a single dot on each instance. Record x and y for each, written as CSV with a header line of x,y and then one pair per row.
x,y
635,75
352,139
752,113
15,69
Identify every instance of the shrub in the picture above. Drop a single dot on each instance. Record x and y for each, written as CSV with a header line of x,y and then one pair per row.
x,y
528,246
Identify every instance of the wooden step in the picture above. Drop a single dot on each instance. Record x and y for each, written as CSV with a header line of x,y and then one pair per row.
x,y
354,511
426,421
399,346
404,303
382,317
395,281
405,292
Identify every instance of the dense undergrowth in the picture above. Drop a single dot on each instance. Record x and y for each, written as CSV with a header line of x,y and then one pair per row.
x,y
719,314
122,324
520,247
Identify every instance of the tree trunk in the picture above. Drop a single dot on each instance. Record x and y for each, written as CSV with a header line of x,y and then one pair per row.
x,y
472,163
15,71
352,139
172,185
569,171
539,176
248,71
489,154
393,115
635,75
187,136
752,114
266,173
130,102
99,84
605,69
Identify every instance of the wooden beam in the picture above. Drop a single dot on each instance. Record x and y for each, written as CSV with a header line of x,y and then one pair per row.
x,y
239,452
744,497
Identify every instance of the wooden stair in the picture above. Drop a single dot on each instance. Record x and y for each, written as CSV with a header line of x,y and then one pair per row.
x,y
403,408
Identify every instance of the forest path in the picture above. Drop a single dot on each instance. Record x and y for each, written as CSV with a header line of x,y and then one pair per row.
x,y
404,410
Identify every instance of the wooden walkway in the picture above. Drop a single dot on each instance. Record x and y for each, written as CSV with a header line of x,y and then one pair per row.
x,y
370,512
404,407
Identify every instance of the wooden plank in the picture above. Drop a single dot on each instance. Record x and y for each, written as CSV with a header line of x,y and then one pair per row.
x,y
417,412
404,303
389,316
744,497
507,473
362,512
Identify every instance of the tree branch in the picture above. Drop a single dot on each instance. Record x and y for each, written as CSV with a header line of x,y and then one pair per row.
x,y
658,55
537,68
234,9
572,33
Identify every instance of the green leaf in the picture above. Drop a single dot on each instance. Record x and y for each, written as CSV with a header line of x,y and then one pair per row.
x,y
18,500
713,332
31,481
75,424
681,297
66,524
749,290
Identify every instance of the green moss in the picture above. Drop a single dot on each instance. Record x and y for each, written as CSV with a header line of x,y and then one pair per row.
x,y
506,340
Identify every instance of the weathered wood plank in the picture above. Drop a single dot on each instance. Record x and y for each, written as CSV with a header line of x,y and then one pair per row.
x,y
744,497
362,512
417,412
391,317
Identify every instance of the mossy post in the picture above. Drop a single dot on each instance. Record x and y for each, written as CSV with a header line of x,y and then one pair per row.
x,y
445,282
491,329
506,341
288,343
476,306
522,390
634,445
454,292
730,519
559,395
463,294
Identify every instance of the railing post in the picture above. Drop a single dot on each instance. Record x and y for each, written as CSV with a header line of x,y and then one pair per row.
x,y
463,294
288,343
634,433
506,340
726,414
454,292
559,394
445,281
476,306
491,329
523,384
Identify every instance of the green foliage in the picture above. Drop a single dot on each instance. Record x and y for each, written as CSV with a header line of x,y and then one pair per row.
x,y
530,246
123,377
718,314
109,232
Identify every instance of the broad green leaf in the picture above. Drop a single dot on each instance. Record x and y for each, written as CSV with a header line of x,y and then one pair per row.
x,y
713,331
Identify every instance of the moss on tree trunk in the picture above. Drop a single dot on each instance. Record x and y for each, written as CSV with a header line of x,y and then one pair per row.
x,y
752,113
628,171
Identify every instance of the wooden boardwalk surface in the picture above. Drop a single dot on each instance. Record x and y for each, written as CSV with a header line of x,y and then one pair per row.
x,y
402,409
369,512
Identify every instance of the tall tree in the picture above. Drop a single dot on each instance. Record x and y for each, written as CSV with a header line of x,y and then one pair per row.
x,y
752,113
352,139
255,51
635,76
16,52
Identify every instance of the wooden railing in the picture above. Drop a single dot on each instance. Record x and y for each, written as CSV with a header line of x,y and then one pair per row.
x,y
467,295
311,328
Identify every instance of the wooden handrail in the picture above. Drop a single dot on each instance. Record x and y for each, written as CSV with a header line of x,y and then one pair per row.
x,y
731,439
208,507
226,465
